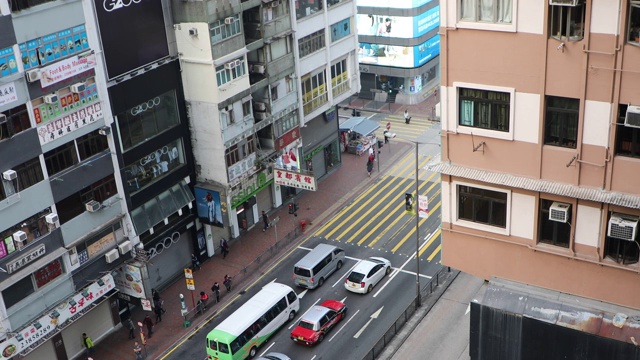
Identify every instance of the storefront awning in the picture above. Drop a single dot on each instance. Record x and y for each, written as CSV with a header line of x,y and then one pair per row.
x,y
360,125
161,207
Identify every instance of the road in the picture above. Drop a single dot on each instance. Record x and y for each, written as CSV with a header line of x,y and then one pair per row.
x,y
375,223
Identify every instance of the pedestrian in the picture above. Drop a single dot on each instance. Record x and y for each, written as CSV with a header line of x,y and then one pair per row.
x,y
155,294
371,151
147,321
227,282
204,298
129,324
137,349
224,247
194,261
158,310
265,220
87,343
215,289
369,166
407,118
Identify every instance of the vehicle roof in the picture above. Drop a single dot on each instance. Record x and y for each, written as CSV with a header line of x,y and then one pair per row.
x,y
317,253
317,312
365,265
253,308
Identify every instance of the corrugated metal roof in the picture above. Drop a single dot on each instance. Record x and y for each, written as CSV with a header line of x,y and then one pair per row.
x,y
538,185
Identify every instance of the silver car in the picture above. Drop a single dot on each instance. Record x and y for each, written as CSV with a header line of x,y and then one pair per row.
x,y
274,356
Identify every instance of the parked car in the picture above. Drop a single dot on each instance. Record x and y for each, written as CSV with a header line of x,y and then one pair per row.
x,y
317,322
366,274
274,356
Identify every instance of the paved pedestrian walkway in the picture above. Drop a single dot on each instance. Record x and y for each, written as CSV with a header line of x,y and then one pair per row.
x,y
252,251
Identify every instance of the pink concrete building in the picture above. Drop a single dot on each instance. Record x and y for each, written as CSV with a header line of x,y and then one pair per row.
x,y
541,144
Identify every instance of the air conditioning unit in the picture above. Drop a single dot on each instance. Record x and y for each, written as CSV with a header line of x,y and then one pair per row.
x,y
33,75
51,99
260,115
125,247
238,63
51,218
193,32
20,237
228,21
274,4
111,256
623,227
565,2
78,88
10,175
559,212
258,69
632,119
260,106
92,206
230,65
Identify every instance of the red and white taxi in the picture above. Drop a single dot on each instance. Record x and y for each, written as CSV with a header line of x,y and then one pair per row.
x,y
317,322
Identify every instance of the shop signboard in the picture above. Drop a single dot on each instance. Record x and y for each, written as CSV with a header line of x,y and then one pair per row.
x,y
67,68
295,179
249,187
50,323
288,138
129,280
8,93
133,34
67,124
31,256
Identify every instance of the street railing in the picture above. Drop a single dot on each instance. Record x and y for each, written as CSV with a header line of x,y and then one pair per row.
x,y
397,325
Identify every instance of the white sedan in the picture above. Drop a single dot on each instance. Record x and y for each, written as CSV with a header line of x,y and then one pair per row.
x,y
366,274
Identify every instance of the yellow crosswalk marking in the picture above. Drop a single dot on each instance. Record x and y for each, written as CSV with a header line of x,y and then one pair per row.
x,y
413,229
393,223
366,194
434,253
431,240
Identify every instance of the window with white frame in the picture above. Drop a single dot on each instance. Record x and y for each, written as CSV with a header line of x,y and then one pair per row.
x,y
482,206
225,28
339,77
291,85
279,48
567,20
281,126
484,109
487,11
230,71
634,23
314,91
274,92
226,115
311,43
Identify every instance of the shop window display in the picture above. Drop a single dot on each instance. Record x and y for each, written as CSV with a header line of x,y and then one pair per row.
x,y
154,165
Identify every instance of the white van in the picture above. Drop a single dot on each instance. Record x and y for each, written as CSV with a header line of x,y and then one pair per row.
x,y
312,270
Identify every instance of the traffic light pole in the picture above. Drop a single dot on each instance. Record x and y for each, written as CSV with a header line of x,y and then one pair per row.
x,y
418,300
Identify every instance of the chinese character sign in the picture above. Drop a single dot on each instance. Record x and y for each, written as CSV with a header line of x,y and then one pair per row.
x,y
423,206
8,93
295,179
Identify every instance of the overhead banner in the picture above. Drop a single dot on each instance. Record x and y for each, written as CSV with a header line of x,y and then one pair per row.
x,y
57,319
295,179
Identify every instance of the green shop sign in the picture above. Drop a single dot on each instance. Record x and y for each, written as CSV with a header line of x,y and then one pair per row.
x,y
313,152
249,189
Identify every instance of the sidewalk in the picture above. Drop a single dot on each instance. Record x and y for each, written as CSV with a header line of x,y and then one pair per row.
x,y
252,250
426,108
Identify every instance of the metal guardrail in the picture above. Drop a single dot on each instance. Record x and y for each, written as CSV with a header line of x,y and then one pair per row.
x,y
397,325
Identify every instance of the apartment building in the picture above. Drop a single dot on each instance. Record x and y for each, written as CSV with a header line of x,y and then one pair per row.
x,y
540,147
399,49
256,82
95,162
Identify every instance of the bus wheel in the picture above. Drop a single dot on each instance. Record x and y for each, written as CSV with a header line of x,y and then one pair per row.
x,y
252,352
292,314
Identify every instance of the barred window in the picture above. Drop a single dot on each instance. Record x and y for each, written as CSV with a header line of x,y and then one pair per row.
x,y
311,43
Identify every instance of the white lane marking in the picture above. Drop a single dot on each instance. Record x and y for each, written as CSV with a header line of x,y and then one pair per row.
x,y
468,309
345,324
341,279
343,299
297,321
302,294
411,258
267,349
371,318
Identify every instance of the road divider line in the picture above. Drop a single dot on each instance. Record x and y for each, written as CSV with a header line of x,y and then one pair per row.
x,y
267,349
300,317
345,324
430,241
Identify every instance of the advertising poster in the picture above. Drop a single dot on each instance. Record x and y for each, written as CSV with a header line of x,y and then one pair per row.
x,y
133,34
423,206
129,280
208,205
399,56
406,27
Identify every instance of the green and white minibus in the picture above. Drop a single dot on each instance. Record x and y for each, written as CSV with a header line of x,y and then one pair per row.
x,y
239,335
